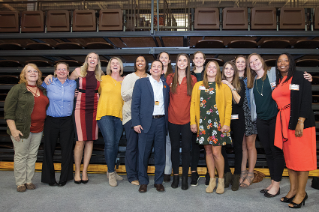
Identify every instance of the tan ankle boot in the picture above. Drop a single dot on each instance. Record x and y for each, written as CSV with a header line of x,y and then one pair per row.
x,y
221,186
211,186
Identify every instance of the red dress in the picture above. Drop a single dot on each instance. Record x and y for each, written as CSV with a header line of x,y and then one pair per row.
x,y
299,152
86,107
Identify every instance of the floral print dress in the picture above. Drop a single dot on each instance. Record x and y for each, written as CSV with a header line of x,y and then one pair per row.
x,y
209,124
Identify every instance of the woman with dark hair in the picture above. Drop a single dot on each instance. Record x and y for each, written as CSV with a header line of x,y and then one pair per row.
x,y
181,84
231,79
199,59
167,70
59,124
131,154
295,128
24,112
109,115
210,110
248,145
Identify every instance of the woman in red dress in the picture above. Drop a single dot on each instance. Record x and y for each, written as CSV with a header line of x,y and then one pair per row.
x,y
295,128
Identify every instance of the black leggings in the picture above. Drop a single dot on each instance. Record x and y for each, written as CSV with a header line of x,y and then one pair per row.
x,y
274,155
175,130
195,153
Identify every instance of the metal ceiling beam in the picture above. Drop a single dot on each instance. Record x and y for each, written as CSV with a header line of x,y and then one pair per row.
x,y
153,50
56,35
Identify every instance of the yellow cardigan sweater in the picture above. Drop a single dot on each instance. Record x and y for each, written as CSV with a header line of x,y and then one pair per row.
x,y
223,101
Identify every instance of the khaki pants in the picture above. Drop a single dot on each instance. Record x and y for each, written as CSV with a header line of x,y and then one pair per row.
x,y
25,156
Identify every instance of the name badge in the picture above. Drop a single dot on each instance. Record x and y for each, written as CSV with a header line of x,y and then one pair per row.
x,y
234,116
156,102
202,87
273,84
294,87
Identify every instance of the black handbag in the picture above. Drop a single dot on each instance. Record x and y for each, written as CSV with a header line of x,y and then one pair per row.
x,y
315,183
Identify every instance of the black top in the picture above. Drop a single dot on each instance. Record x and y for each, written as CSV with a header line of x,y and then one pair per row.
x,y
266,107
238,108
301,102
199,76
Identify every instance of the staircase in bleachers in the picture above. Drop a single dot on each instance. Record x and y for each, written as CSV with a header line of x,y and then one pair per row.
x,y
55,31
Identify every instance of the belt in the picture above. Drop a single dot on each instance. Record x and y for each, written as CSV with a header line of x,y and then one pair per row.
x,y
281,133
158,116
84,91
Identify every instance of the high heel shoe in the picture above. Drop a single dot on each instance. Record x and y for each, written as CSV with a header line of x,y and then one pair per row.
x,y
271,195
287,200
84,181
303,202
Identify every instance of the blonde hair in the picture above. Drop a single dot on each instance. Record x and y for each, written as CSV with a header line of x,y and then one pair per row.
x,y
235,82
98,70
22,74
56,67
218,78
251,74
108,68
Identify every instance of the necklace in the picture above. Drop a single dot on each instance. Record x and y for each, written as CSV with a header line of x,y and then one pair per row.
x,y
35,94
262,88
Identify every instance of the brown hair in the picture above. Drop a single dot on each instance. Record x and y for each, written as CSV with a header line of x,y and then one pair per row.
x,y
235,82
238,56
22,74
56,67
251,74
108,68
199,52
218,78
188,76
169,66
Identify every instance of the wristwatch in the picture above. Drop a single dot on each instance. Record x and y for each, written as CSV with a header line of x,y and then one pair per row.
x,y
234,89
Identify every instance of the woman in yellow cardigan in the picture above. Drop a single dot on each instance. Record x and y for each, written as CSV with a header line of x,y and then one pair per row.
x,y
210,114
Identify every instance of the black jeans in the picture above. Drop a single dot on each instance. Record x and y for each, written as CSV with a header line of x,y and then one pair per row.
x,y
195,152
175,130
274,155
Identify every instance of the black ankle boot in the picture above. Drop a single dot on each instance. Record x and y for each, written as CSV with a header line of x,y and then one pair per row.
x,y
184,182
207,178
175,181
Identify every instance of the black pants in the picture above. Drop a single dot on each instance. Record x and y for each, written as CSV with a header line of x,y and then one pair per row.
x,y
195,153
131,154
274,155
174,132
238,130
63,129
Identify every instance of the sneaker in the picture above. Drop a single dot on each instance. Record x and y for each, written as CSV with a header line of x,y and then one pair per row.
x,y
112,179
21,188
194,179
30,186
117,177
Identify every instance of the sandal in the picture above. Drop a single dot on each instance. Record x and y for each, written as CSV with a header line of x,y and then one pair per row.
x,y
250,177
243,176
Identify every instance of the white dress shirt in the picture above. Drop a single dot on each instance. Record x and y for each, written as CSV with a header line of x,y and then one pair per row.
x,y
158,96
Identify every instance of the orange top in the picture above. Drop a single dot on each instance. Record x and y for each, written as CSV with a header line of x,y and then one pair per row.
x,y
39,113
179,102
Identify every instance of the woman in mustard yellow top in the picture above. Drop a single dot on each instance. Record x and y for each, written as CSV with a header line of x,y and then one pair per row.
x,y
109,115
210,114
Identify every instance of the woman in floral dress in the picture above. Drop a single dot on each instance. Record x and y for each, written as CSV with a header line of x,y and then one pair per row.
x,y
211,108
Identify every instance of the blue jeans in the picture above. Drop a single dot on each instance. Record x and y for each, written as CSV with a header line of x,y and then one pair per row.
x,y
111,129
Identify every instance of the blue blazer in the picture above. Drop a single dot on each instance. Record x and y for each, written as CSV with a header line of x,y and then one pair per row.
x,y
143,103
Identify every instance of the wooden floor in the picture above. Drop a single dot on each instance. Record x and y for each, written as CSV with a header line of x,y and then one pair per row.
x,y
96,168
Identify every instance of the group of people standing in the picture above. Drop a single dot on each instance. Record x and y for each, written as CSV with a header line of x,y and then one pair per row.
x,y
195,108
